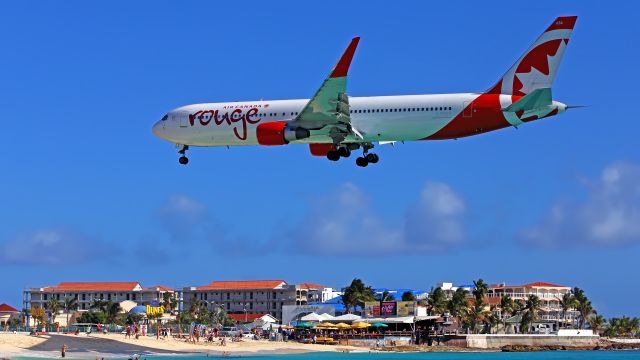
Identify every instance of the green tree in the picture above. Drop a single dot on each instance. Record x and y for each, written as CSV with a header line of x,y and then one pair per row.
x,y
69,304
356,294
507,309
583,306
112,311
478,313
530,313
567,302
437,301
457,305
408,296
54,307
169,302
385,296
596,323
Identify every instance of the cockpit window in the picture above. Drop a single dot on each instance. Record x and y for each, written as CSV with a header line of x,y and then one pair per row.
x,y
165,117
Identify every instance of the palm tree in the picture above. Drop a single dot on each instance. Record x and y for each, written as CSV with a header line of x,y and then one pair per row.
x,y
583,305
567,302
169,302
530,313
596,323
408,296
53,306
437,301
356,295
507,308
385,296
100,305
480,289
69,304
112,310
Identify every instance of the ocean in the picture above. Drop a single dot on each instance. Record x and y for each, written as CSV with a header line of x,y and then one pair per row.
x,y
544,355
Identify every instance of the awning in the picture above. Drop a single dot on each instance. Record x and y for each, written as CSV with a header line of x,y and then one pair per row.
x,y
312,317
392,320
347,317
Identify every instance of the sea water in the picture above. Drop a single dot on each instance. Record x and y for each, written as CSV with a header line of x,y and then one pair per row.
x,y
543,355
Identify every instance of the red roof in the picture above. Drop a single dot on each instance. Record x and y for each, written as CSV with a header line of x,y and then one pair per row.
x,y
249,317
7,308
160,288
94,286
311,286
542,284
535,284
245,284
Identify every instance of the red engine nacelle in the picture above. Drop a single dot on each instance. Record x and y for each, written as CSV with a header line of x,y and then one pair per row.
x,y
278,133
321,149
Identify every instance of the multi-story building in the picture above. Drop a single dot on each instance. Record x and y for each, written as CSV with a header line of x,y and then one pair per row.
x,y
550,296
86,292
248,296
307,293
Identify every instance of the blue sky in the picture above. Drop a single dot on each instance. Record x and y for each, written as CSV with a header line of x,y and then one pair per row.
x,y
89,194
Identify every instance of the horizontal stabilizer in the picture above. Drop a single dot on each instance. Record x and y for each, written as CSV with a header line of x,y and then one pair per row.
x,y
534,100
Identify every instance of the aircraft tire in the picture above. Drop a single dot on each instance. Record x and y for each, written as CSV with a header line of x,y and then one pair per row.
x,y
344,152
183,160
362,162
372,158
333,155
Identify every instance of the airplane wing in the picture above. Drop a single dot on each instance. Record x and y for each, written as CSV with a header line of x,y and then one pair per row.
x,y
328,110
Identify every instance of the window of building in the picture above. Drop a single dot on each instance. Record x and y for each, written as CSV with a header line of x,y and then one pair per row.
x,y
134,297
44,297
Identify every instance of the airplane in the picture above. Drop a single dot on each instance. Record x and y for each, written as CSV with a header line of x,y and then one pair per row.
x,y
334,124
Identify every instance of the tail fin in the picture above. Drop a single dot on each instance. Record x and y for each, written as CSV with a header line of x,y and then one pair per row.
x,y
537,68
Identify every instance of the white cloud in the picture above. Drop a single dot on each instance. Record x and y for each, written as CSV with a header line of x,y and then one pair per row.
x,y
345,223
55,247
181,215
609,215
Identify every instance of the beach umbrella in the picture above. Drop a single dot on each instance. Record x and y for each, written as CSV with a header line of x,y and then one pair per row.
x,y
304,325
343,326
360,325
380,325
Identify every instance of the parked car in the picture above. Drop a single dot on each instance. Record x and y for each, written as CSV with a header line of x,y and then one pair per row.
x,y
229,331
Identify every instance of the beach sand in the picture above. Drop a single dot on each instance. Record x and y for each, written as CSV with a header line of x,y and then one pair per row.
x,y
115,345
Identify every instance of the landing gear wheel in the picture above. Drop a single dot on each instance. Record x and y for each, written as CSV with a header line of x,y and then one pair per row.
x,y
344,152
333,155
362,162
183,160
372,158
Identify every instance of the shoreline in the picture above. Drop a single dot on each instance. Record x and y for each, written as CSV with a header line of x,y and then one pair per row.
x,y
94,346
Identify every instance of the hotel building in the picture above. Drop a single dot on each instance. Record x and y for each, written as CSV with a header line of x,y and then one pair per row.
x,y
254,296
550,296
86,292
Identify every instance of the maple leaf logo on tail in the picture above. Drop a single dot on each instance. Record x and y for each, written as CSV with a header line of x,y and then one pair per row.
x,y
537,68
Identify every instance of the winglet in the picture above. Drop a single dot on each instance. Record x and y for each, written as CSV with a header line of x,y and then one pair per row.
x,y
342,67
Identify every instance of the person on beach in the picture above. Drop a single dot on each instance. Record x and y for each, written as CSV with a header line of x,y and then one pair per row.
x,y
127,334
63,350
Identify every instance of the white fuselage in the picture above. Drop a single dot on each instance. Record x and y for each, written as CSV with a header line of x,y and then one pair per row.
x,y
377,118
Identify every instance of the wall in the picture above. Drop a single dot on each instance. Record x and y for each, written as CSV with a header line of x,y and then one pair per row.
x,y
500,340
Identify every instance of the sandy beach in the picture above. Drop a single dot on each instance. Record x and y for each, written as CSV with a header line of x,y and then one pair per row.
x,y
115,345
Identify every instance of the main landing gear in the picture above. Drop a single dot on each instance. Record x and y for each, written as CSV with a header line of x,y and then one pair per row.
x,y
344,151
184,160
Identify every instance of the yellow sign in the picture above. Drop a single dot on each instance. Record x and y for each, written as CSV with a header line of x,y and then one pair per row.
x,y
155,310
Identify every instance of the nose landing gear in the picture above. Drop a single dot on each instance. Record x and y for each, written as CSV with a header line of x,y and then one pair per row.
x,y
184,160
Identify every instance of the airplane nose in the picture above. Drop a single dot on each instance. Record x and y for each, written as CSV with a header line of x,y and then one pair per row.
x,y
157,129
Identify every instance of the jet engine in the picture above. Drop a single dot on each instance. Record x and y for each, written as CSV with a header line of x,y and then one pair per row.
x,y
279,133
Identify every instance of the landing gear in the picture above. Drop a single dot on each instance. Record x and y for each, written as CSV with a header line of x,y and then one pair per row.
x,y
344,152
335,155
367,158
184,160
